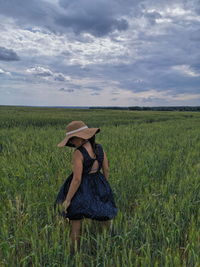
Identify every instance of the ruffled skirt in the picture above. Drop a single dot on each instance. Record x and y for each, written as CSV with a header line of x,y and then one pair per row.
x,y
94,198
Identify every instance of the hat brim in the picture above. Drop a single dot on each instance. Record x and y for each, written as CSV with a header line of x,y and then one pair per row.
x,y
85,134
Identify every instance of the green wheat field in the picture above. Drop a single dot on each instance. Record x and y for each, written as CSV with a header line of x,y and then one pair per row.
x,y
154,160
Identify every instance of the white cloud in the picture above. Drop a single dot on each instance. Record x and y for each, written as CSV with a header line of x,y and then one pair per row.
x,y
35,42
40,71
186,69
163,20
47,74
176,10
4,72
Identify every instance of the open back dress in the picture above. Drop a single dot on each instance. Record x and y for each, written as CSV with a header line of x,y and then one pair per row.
x,y
94,197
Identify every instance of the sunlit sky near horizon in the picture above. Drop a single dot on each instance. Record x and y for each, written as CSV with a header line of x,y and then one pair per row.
x,y
100,52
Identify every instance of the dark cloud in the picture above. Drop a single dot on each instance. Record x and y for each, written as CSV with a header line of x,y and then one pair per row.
x,y
196,66
94,88
59,77
96,17
29,13
152,16
91,24
95,93
8,54
66,90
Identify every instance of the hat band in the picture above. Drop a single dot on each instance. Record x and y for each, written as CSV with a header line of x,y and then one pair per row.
x,y
77,130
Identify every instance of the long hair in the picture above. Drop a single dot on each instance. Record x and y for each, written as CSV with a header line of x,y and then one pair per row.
x,y
93,144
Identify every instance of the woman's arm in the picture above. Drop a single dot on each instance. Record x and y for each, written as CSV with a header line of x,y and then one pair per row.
x,y
77,161
105,166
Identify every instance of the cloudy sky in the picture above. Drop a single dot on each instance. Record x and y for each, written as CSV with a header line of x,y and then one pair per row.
x,y
100,52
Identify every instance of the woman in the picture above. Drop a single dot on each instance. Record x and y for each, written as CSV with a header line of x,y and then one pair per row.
x,y
86,192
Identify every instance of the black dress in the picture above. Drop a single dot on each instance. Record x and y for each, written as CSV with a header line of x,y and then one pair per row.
x,y
94,198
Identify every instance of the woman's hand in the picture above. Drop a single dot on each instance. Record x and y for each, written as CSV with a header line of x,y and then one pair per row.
x,y
66,204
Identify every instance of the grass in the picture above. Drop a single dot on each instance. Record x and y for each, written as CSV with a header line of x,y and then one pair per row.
x,y
154,160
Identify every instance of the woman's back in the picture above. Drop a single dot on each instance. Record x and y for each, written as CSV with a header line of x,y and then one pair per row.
x,y
90,164
92,155
89,150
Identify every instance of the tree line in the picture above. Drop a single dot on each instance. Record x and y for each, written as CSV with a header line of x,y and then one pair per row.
x,y
164,108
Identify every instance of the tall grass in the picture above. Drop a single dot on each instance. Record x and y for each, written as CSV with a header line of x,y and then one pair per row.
x,y
154,160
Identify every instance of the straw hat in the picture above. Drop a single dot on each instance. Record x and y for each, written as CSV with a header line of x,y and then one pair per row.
x,y
78,129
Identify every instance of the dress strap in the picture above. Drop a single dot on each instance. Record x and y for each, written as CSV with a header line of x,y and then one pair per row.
x,y
83,151
99,156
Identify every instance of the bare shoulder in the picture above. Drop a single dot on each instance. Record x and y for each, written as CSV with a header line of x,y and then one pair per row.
x,y
77,154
